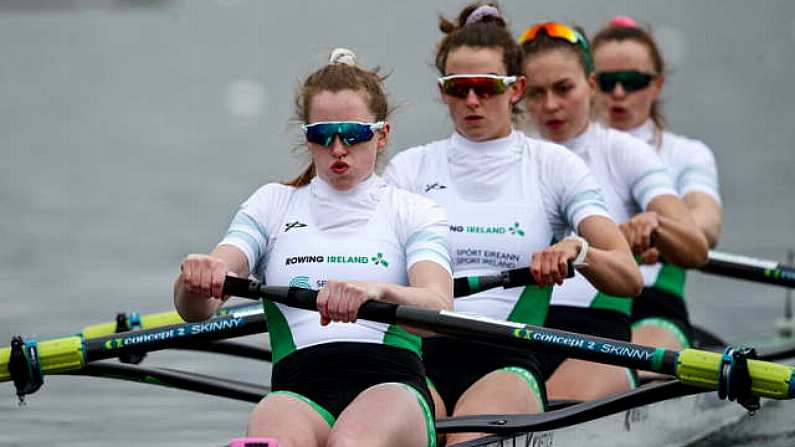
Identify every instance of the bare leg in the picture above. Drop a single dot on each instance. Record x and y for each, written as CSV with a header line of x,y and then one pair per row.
x,y
495,393
291,421
382,416
581,380
440,411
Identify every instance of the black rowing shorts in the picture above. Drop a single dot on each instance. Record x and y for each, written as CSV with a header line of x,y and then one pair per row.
x,y
333,374
453,365
659,308
584,320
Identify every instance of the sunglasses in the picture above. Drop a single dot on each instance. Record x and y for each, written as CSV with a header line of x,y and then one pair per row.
x,y
560,31
350,132
484,85
631,81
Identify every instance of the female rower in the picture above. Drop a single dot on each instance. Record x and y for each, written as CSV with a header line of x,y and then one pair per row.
x,y
637,190
508,196
630,74
337,227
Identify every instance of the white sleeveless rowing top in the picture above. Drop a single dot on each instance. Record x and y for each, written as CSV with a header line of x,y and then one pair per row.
x,y
631,176
692,166
303,237
505,200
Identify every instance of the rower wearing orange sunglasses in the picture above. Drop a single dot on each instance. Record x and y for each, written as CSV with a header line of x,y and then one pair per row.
x,y
630,69
638,191
508,197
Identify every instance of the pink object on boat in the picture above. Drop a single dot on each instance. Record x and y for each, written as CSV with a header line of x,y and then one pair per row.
x,y
623,22
254,442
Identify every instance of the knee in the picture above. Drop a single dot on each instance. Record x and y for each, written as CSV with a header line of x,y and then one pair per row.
x,y
255,424
342,438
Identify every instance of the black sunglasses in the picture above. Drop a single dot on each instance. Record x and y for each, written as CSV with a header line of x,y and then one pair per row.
x,y
631,81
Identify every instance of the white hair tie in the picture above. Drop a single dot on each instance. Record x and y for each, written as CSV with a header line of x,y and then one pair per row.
x,y
342,56
481,12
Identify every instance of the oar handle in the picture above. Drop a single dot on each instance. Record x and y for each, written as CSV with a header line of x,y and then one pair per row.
x,y
302,298
507,279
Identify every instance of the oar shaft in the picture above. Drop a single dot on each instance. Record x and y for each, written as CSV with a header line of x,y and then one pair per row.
x,y
506,279
751,269
173,336
768,379
160,319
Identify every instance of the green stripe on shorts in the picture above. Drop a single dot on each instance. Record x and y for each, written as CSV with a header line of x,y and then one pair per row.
x,y
632,377
330,420
430,423
532,382
664,324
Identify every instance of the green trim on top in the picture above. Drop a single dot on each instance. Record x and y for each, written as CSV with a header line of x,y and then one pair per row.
x,y
325,414
666,325
620,304
282,342
672,279
401,338
532,306
474,284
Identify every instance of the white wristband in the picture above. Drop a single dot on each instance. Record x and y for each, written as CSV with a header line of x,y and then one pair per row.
x,y
579,261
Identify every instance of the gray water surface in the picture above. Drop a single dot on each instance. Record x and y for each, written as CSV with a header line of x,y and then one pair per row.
x,y
131,130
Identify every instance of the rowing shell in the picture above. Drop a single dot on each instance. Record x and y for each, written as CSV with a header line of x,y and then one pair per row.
x,y
675,422
662,414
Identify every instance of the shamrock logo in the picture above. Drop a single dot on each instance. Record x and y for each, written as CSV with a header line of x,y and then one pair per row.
x,y
379,260
515,230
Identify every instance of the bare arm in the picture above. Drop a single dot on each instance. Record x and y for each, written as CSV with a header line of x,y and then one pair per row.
x,y
198,290
679,240
706,213
611,268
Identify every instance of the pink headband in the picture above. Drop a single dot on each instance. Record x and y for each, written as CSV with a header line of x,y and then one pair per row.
x,y
623,22
481,12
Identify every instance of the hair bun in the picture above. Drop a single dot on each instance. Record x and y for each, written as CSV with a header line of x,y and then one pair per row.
x,y
342,56
482,12
623,22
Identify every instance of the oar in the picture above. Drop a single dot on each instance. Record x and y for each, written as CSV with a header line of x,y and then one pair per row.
x,y
134,321
172,378
751,269
26,361
704,369
462,287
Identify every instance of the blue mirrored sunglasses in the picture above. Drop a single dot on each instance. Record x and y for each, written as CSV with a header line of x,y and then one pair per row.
x,y
350,132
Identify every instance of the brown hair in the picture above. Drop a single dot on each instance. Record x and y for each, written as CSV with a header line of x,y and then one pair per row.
x,y
488,31
643,37
543,43
333,78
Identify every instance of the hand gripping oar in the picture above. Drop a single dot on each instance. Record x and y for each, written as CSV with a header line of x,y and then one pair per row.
x,y
462,287
507,279
751,269
727,373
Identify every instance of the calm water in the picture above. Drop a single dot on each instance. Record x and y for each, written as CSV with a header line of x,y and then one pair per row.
x,y
131,130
